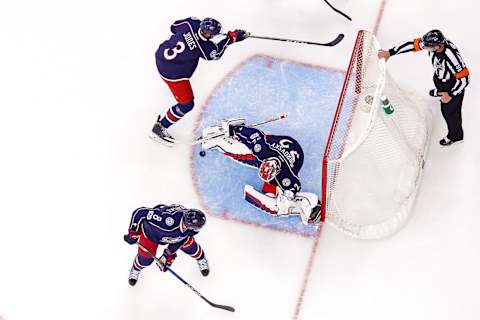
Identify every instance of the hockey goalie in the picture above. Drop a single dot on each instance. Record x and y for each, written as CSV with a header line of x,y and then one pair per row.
x,y
278,160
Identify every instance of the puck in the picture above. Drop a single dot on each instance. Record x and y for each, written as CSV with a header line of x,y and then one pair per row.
x,y
202,153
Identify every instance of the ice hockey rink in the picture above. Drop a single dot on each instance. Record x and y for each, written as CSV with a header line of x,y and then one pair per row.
x,y
79,93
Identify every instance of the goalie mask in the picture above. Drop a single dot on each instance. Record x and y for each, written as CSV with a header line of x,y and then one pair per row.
x,y
269,169
194,219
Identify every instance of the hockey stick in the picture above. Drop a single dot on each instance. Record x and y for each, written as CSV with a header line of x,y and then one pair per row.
x,y
337,11
332,43
256,124
157,261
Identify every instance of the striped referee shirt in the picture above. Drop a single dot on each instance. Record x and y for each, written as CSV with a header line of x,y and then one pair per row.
x,y
448,64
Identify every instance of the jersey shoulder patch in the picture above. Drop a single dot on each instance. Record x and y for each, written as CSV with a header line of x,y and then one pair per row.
x,y
286,182
213,54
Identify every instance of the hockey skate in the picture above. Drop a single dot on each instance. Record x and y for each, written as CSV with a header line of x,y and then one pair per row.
x,y
316,213
203,266
310,207
133,276
160,134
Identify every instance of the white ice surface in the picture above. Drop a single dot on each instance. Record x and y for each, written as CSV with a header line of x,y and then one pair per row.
x,y
78,94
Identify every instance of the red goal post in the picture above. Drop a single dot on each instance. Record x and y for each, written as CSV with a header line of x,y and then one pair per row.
x,y
373,160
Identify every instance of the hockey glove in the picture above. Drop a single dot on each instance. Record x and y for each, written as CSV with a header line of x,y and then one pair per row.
x,y
131,237
237,35
166,260
229,124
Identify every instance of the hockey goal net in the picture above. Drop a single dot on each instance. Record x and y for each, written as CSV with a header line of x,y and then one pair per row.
x,y
373,158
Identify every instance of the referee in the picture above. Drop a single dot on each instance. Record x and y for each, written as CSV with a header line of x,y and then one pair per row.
x,y
451,77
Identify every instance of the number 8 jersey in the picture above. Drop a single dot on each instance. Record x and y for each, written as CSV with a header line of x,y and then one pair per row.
x,y
177,58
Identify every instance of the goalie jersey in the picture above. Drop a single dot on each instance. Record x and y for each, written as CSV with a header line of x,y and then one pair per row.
x,y
283,148
162,224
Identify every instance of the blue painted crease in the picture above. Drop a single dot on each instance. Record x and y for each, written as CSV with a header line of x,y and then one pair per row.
x,y
260,89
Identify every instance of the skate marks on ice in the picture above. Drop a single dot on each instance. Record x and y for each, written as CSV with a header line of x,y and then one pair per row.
x,y
257,89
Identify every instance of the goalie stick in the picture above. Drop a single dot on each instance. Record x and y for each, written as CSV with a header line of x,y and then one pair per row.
x,y
157,261
256,124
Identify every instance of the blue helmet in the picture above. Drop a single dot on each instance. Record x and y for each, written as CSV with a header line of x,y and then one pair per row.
x,y
210,27
433,38
194,219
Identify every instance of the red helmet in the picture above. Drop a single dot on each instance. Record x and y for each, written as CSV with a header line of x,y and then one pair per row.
x,y
269,169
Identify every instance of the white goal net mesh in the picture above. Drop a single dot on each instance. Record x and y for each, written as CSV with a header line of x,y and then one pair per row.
x,y
373,160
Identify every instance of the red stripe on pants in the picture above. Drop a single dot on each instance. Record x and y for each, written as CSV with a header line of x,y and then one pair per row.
x,y
151,246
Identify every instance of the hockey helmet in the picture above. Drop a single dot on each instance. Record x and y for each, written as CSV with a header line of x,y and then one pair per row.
x,y
194,219
433,38
269,169
210,27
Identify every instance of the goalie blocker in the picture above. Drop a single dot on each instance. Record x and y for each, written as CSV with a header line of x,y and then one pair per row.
x,y
278,160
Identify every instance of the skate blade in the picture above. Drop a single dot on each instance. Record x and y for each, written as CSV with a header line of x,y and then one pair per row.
x,y
155,138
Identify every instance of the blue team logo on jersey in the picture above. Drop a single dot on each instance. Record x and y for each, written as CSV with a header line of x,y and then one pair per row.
x,y
213,54
286,182
258,89
169,221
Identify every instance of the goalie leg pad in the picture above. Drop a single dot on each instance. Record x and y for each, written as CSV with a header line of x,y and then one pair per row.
x,y
261,201
305,204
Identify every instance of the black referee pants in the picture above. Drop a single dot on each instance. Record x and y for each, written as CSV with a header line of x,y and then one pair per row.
x,y
451,111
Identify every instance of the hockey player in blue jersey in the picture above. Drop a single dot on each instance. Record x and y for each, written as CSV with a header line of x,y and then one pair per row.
x,y
278,159
171,225
178,57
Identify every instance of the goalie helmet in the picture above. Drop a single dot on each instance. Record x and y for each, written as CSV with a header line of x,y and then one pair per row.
x,y
194,219
433,38
210,27
269,169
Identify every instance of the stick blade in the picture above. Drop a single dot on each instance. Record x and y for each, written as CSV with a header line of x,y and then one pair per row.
x,y
219,306
336,41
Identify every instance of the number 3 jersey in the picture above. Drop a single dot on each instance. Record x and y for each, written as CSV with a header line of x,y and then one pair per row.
x,y
162,224
177,58
284,148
